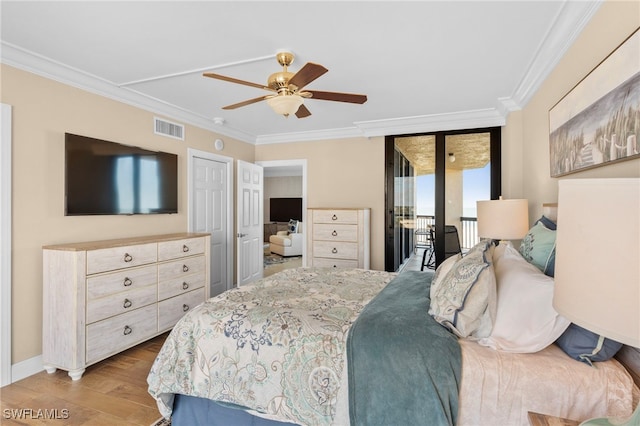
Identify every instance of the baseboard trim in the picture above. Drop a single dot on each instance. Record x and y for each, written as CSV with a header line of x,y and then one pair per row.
x,y
26,368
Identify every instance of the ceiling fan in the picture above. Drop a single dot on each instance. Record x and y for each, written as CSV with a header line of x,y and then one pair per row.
x,y
288,97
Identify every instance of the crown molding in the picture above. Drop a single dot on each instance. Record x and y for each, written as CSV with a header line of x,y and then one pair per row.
x,y
489,117
36,64
565,29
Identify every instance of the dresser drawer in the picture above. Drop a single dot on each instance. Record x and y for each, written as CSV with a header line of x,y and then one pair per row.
x,y
335,216
119,303
180,248
321,262
171,310
181,268
111,259
337,250
176,286
335,232
115,282
112,335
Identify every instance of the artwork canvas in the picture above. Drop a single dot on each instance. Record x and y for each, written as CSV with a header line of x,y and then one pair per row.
x,y
598,121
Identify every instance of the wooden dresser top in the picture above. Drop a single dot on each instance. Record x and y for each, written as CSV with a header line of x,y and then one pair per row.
x,y
119,242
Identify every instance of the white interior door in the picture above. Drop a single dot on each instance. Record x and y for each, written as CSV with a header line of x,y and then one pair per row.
x,y
250,222
209,210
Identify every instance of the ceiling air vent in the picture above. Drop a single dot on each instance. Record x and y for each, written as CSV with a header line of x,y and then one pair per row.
x,y
167,128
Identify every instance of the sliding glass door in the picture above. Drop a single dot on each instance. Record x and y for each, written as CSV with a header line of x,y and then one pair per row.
x,y
433,183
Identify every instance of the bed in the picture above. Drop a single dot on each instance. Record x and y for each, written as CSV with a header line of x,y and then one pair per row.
x,y
313,346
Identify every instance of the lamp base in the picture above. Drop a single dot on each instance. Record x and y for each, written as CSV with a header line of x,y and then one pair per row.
x,y
634,420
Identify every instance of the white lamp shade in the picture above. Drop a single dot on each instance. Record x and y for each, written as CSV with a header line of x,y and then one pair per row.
x,y
285,104
597,270
503,219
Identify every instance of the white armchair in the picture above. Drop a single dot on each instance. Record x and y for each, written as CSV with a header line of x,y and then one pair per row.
x,y
286,244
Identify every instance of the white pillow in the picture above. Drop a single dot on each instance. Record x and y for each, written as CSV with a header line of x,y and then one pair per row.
x,y
525,319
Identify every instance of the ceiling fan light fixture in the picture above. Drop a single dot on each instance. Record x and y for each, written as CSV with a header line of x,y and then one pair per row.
x,y
285,104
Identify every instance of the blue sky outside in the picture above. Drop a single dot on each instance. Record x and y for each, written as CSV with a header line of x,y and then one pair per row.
x,y
475,186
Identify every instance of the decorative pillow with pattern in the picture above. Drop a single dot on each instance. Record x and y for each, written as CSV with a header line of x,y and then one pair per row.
x,y
465,299
293,226
539,248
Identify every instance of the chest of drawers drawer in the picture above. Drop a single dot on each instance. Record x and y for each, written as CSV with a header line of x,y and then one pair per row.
x,y
114,334
321,262
171,310
335,232
180,248
181,268
176,286
116,282
119,303
335,216
111,259
335,250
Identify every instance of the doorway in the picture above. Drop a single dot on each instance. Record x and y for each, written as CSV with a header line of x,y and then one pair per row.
x,y
284,178
210,210
461,166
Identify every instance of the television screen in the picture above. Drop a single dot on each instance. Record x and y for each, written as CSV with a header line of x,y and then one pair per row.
x,y
108,178
285,209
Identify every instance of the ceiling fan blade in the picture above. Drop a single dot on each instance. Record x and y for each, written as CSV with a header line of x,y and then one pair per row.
x,y
307,74
338,97
247,102
235,80
303,112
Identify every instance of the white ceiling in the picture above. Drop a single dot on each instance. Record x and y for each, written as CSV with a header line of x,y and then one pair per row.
x,y
424,65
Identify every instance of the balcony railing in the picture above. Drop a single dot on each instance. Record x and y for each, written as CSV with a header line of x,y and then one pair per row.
x,y
468,233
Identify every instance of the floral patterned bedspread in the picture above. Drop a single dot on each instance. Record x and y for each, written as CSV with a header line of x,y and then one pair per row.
x,y
276,347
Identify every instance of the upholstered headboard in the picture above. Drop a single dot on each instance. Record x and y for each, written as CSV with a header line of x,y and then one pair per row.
x,y
628,356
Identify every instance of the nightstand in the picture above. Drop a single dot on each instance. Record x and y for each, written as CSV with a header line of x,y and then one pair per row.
x,y
537,419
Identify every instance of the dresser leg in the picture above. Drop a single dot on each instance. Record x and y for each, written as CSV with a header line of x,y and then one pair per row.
x,y
76,374
49,369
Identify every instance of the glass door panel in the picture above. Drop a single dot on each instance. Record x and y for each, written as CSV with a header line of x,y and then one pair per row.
x,y
467,180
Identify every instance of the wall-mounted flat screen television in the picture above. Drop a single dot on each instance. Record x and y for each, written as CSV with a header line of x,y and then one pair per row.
x,y
285,209
108,178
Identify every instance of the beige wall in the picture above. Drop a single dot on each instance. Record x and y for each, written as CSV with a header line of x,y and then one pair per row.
x,y
43,110
341,173
612,24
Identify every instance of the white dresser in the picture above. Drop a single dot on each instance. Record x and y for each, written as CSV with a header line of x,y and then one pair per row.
x,y
102,297
339,238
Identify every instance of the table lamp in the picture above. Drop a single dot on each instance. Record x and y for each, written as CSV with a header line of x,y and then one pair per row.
x,y
503,219
597,271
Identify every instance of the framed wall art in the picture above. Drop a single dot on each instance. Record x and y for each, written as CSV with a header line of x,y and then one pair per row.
x,y
598,121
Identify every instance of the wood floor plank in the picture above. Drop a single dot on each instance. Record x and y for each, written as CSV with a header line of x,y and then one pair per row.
x,y
112,392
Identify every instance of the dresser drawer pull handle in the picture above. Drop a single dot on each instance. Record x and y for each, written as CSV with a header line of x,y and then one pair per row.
x,y
334,251
127,282
127,257
185,268
185,307
185,285
334,233
185,248
334,217
127,303
127,330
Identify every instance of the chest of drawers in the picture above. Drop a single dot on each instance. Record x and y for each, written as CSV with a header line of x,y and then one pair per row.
x,y
339,238
102,297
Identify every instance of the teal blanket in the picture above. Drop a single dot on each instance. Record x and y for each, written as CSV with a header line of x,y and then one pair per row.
x,y
404,367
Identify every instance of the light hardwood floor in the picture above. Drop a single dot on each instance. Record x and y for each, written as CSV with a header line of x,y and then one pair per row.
x,y
111,392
